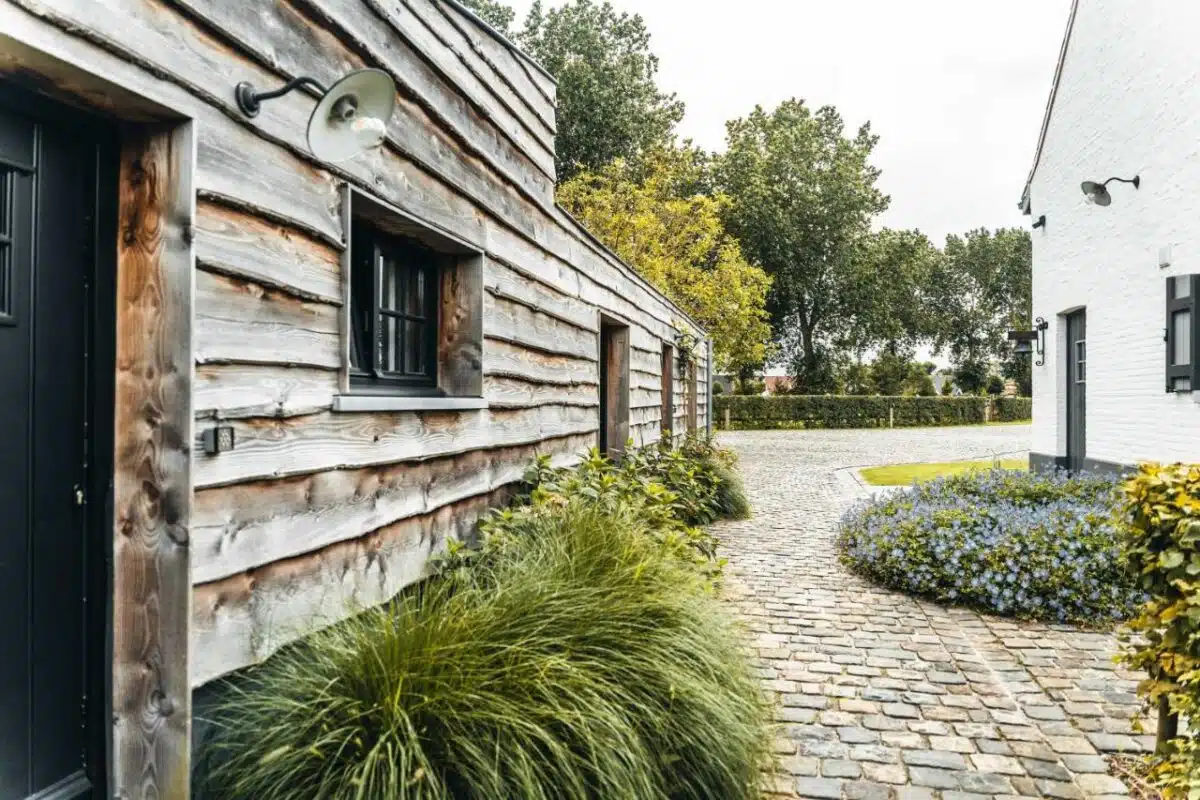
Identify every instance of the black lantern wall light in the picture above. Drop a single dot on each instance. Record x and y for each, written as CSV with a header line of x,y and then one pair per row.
x,y
350,117
1030,342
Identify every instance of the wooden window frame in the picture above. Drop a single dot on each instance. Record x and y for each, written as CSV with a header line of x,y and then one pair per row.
x,y
1190,371
372,248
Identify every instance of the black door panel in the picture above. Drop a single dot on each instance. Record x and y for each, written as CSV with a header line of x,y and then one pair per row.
x,y
1076,362
48,177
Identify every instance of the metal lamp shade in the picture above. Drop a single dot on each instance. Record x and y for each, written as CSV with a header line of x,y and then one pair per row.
x,y
1023,348
352,116
1096,193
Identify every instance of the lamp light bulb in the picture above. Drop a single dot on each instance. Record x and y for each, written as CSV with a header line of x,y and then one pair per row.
x,y
368,131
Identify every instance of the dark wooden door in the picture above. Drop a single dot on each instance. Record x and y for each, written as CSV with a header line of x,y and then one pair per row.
x,y
49,549
1076,390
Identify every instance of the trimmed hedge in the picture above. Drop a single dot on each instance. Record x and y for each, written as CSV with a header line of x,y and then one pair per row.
x,y
1012,409
852,411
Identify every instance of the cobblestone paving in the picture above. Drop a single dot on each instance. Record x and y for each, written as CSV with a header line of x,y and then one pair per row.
x,y
882,696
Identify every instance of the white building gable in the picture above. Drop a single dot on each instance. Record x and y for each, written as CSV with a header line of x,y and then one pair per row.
x,y
1126,102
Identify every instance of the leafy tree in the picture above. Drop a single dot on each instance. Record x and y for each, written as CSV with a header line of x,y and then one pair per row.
x,y
609,105
803,197
971,376
494,13
888,297
677,242
995,385
983,287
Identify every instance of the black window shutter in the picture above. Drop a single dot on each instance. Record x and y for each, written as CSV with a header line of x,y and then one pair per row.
x,y
1182,377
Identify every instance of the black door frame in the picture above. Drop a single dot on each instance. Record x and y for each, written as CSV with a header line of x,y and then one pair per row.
x,y
99,381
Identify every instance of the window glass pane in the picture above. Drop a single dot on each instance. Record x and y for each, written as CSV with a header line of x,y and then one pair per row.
x,y
1181,338
1183,287
414,339
416,292
1081,361
391,291
1181,385
390,344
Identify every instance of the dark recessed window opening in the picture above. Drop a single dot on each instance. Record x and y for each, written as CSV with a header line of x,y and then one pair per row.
x,y
668,391
1183,338
394,299
5,242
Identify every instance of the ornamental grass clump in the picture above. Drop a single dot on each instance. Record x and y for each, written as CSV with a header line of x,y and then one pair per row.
x,y
1031,545
577,653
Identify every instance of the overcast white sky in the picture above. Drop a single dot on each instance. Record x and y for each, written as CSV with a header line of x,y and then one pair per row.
x,y
955,88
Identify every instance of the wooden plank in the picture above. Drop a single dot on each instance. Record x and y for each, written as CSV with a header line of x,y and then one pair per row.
x,y
503,359
451,53
538,77
245,323
616,403
242,620
152,491
275,448
242,527
667,389
460,334
236,243
507,392
240,391
519,324
504,281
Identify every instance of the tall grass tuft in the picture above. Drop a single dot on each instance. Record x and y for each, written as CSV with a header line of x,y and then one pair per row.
x,y
579,659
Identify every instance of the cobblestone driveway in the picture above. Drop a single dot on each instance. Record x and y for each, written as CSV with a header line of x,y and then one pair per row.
x,y
881,696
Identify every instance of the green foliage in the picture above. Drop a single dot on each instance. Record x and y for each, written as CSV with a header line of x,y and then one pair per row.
x,y
1163,550
803,198
649,215
609,105
846,411
971,376
494,13
1035,545
995,385
577,654
1012,409
982,288
887,301
749,386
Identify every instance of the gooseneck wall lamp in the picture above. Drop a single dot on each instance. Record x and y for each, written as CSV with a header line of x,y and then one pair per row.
x,y
350,117
1029,342
1097,193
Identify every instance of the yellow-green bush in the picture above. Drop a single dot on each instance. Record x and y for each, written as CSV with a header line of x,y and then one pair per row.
x,y
1163,547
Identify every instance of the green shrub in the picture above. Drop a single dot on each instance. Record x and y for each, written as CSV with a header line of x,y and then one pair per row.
x,y
877,411
578,653
1035,545
1012,409
1163,549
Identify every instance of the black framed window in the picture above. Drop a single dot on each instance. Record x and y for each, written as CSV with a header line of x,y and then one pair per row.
x,y
394,299
1081,361
1183,341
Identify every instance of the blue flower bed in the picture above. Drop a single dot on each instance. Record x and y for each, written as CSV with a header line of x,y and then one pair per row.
x,y
1042,546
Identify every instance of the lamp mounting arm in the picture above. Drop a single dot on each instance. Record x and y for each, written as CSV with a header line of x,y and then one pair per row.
x,y
250,101
1040,325
1136,180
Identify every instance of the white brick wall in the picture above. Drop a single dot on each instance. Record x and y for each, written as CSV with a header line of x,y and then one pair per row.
x,y
1128,103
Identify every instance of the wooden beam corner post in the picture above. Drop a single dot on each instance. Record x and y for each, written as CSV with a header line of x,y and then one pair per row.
x,y
152,483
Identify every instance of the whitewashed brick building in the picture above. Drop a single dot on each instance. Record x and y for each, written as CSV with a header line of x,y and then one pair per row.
x,y
1116,283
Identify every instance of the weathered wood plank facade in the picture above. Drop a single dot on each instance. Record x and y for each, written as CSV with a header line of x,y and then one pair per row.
x,y
319,510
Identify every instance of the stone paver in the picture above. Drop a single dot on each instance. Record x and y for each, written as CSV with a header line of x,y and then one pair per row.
x,y
883,696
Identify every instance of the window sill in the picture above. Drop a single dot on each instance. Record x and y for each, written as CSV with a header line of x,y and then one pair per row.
x,y
363,402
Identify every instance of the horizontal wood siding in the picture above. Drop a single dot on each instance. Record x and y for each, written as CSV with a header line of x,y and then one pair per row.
x,y
316,513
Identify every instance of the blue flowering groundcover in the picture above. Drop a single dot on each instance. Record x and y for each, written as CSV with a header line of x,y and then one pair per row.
x,y
1030,545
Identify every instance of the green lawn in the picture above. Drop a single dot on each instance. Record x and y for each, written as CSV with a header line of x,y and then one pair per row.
x,y
905,474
